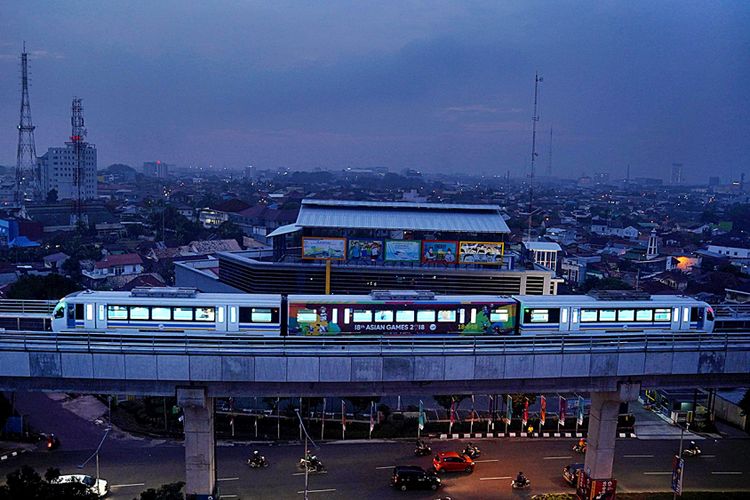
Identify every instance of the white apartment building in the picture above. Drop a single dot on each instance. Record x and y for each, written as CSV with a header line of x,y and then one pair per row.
x,y
57,169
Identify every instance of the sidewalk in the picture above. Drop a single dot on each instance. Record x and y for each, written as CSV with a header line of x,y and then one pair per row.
x,y
652,425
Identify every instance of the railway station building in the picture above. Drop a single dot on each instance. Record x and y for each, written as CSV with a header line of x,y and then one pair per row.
x,y
445,248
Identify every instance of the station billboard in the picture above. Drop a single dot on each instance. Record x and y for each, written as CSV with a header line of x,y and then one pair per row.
x,y
365,250
323,248
403,250
481,252
439,252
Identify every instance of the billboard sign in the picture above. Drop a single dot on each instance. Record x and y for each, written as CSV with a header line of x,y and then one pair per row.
x,y
481,252
439,252
365,250
324,248
403,250
678,466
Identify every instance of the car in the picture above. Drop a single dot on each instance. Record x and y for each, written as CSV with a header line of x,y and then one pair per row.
x,y
98,486
570,473
412,477
451,461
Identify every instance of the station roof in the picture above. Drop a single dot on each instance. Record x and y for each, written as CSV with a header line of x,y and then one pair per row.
x,y
400,215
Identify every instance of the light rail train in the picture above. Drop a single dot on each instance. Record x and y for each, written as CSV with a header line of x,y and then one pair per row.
x,y
379,313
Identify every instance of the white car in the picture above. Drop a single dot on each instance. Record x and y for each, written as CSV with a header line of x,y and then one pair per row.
x,y
98,486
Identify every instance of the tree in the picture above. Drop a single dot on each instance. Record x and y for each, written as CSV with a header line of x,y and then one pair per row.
x,y
50,287
605,284
230,230
52,196
446,401
25,483
170,491
361,404
745,403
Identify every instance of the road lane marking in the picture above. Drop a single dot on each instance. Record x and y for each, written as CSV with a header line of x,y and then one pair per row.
x,y
638,456
727,473
127,485
327,490
488,460
558,458
311,473
386,467
228,496
667,473
228,479
708,456
494,478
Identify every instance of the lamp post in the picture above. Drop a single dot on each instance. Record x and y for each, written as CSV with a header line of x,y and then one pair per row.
x,y
307,437
96,455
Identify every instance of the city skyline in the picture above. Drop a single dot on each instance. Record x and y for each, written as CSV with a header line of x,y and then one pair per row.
x,y
397,85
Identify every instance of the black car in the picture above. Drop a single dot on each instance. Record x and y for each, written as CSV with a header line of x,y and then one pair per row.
x,y
412,477
570,473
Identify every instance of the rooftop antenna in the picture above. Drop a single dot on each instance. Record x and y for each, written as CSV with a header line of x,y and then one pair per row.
x,y
27,178
549,158
534,154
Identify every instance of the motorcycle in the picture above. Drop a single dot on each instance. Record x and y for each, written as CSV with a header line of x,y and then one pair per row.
x,y
257,462
579,449
520,486
53,442
312,464
422,449
472,451
691,452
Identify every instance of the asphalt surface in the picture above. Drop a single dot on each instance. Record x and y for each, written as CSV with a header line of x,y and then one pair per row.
x,y
362,470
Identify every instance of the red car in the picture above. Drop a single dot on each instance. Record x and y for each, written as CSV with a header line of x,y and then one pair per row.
x,y
451,461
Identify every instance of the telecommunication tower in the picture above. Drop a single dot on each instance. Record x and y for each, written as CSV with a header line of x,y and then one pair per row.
x,y
549,158
77,140
27,175
534,154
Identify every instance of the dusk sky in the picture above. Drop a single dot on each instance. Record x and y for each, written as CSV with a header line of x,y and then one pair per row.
x,y
440,86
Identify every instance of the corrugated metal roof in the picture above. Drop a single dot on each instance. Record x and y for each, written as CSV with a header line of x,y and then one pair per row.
x,y
542,245
408,216
289,228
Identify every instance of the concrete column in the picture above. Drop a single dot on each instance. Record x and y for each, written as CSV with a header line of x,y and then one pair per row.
x,y
600,445
200,451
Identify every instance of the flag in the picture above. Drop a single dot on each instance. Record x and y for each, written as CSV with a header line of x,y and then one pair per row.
x,y
343,415
453,414
543,412
563,410
421,416
508,409
525,418
372,416
580,410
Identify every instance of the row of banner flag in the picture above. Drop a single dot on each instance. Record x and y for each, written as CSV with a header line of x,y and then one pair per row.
x,y
422,420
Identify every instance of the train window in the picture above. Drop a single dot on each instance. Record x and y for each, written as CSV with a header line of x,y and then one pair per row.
x,y
446,316
696,314
161,313
205,313
662,314
685,314
335,316
607,315
426,316
79,311
266,315
117,312
462,316
89,312
183,313
405,316
221,314
644,315
346,315
233,314
539,316
307,316
575,315
383,316
473,315
102,312
564,315
499,315
362,316
60,310
588,315
626,315
710,314
138,312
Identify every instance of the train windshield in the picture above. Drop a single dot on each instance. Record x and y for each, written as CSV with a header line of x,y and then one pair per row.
x,y
59,311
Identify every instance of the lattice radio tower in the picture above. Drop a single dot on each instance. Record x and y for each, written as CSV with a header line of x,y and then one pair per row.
x,y
77,140
534,154
27,177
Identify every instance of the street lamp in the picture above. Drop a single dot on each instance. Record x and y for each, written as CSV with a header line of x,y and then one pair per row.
x,y
307,437
96,454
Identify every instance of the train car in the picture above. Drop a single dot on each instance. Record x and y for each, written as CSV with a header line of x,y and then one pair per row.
x,y
612,311
168,310
400,313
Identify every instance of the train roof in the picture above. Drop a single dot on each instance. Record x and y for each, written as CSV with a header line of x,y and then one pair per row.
x,y
587,300
175,296
370,299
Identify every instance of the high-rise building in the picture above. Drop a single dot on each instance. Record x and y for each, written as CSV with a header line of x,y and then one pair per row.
x,y
57,170
156,168
677,174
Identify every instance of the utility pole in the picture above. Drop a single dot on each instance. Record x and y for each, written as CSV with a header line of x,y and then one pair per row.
x,y
27,178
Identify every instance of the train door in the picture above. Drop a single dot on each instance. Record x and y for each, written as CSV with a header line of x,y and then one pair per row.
x,y
233,320
221,320
574,324
685,320
88,317
565,319
676,319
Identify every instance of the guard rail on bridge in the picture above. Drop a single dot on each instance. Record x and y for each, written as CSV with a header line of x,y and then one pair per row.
x,y
10,308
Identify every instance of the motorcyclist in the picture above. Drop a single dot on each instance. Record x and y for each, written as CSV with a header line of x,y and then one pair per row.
x,y
521,479
692,447
421,444
256,456
582,443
